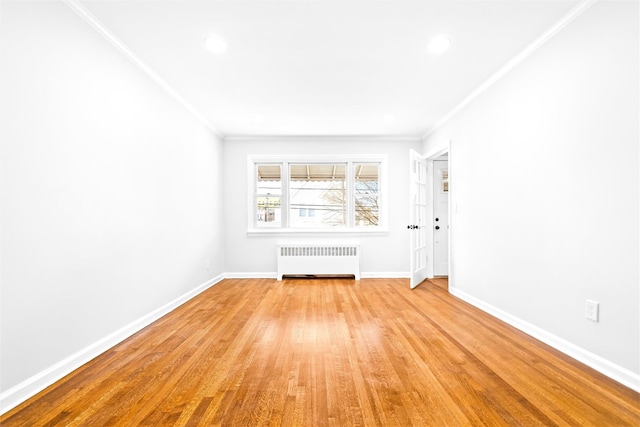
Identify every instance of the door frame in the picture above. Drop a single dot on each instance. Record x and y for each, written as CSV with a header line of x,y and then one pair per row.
x,y
430,157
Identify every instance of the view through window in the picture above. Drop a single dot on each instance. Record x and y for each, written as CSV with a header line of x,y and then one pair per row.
x,y
311,195
268,197
319,189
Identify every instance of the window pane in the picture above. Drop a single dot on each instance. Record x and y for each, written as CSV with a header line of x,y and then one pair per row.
x,y
366,177
367,211
319,188
269,179
367,196
268,210
268,195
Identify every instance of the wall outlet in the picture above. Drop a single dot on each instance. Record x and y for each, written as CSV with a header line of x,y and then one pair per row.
x,y
592,309
208,265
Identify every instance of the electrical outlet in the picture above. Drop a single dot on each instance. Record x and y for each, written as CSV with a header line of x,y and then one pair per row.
x,y
592,309
208,265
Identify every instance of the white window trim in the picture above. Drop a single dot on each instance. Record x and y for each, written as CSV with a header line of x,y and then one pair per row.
x,y
284,161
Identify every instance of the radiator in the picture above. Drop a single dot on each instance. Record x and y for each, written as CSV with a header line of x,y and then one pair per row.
x,y
318,259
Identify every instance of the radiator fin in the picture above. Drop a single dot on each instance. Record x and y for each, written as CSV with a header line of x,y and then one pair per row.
x,y
318,259
330,251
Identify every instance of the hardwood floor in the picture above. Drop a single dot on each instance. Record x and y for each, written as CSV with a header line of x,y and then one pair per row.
x,y
330,352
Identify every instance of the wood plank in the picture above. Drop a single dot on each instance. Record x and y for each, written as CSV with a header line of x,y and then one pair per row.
x,y
330,352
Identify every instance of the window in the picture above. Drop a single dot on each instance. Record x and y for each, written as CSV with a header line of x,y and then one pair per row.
x,y
445,180
318,186
268,195
367,194
317,193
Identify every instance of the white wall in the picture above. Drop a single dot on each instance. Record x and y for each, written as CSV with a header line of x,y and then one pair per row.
x,y
544,174
380,255
110,191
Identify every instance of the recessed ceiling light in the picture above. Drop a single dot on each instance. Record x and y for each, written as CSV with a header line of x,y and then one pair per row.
x,y
439,44
215,44
389,119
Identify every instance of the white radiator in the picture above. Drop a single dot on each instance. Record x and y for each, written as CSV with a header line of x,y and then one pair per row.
x,y
318,259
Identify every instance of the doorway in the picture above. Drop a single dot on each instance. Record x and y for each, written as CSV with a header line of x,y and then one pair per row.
x,y
441,216
429,216
438,199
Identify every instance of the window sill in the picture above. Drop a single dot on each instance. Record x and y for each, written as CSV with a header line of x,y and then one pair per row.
x,y
315,232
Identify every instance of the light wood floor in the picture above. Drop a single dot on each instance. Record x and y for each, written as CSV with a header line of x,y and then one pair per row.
x,y
330,353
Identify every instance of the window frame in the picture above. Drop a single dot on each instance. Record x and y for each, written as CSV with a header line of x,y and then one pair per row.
x,y
285,161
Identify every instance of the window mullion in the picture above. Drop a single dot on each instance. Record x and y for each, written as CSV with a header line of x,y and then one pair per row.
x,y
351,211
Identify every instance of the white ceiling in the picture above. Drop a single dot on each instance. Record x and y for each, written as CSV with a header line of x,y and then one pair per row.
x,y
332,67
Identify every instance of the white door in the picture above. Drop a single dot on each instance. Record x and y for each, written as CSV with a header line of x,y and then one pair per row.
x,y
417,218
440,218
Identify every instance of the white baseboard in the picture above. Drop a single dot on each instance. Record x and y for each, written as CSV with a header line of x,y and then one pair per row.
x,y
365,275
271,275
385,275
19,393
600,364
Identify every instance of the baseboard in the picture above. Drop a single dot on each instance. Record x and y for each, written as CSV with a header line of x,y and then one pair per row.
x,y
33,385
615,372
271,275
385,275
365,275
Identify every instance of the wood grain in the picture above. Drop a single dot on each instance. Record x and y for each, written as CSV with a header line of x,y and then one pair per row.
x,y
330,352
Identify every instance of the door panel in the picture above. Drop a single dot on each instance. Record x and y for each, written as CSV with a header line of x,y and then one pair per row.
x,y
418,216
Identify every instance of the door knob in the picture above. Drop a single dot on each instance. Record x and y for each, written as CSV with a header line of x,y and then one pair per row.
x,y
437,227
437,219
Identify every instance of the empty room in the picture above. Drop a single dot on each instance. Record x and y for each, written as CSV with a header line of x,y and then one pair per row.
x,y
319,213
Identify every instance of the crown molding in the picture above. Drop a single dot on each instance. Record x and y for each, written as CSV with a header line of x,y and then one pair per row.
x,y
578,10
321,138
90,19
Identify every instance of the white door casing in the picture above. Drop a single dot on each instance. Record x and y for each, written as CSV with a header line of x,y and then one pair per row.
x,y
419,180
